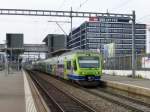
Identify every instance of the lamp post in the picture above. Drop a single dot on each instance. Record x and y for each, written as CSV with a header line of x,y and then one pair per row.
x,y
133,44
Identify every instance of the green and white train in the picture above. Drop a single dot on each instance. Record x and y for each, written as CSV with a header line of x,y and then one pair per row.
x,y
83,67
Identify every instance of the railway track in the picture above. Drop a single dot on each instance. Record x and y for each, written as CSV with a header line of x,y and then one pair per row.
x,y
130,103
124,95
57,100
127,102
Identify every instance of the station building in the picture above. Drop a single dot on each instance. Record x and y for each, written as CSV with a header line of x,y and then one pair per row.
x,y
97,32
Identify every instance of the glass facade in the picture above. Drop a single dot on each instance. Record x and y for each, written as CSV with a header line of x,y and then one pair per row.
x,y
118,30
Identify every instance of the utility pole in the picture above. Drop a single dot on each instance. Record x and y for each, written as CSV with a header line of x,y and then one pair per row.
x,y
133,44
71,22
148,39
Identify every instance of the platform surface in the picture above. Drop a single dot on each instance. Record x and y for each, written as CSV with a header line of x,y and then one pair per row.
x,y
127,80
12,97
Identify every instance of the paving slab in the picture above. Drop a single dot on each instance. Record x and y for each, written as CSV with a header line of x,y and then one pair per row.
x,y
12,97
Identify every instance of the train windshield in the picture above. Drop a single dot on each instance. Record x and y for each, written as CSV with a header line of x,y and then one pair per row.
x,y
88,62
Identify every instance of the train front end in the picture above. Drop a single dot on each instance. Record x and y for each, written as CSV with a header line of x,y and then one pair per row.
x,y
89,69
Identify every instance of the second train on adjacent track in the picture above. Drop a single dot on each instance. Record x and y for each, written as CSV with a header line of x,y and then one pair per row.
x,y
83,67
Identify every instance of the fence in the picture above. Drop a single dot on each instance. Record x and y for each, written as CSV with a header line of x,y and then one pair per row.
x,y
142,62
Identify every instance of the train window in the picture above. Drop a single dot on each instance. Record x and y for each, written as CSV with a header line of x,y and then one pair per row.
x,y
49,67
74,65
89,62
68,64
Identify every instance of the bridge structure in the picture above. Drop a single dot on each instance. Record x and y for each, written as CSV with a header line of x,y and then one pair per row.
x,y
27,48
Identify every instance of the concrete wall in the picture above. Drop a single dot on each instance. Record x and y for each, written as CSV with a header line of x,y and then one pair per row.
x,y
143,74
14,40
56,42
59,42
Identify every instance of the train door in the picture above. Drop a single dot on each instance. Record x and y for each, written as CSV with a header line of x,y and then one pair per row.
x,y
65,69
68,67
74,66
46,67
60,67
49,68
54,69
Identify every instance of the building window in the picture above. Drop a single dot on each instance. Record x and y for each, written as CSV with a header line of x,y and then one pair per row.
x,y
140,31
140,36
140,41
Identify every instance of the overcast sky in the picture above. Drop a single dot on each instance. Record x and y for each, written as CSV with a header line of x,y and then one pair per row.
x,y
36,28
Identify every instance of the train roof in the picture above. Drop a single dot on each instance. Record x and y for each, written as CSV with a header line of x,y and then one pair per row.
x,y
60,52
80,52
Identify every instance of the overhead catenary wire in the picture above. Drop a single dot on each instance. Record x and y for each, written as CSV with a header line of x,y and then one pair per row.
x,y
82,4
144,17
60,6
123,4
61,28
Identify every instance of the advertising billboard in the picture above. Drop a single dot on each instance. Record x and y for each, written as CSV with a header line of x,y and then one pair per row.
x,y
109,50
145,62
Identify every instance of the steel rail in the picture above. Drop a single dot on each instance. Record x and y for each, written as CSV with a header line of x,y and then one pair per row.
x,y
112,97
131,99
122,101
80,104
50,100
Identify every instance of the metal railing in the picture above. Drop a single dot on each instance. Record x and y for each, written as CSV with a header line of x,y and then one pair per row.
x,y
142,62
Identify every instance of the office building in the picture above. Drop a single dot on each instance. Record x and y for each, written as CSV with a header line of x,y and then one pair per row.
x,y
96,33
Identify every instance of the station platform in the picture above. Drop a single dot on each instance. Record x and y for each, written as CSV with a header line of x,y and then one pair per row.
x,y
133,85
15,92
12,97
